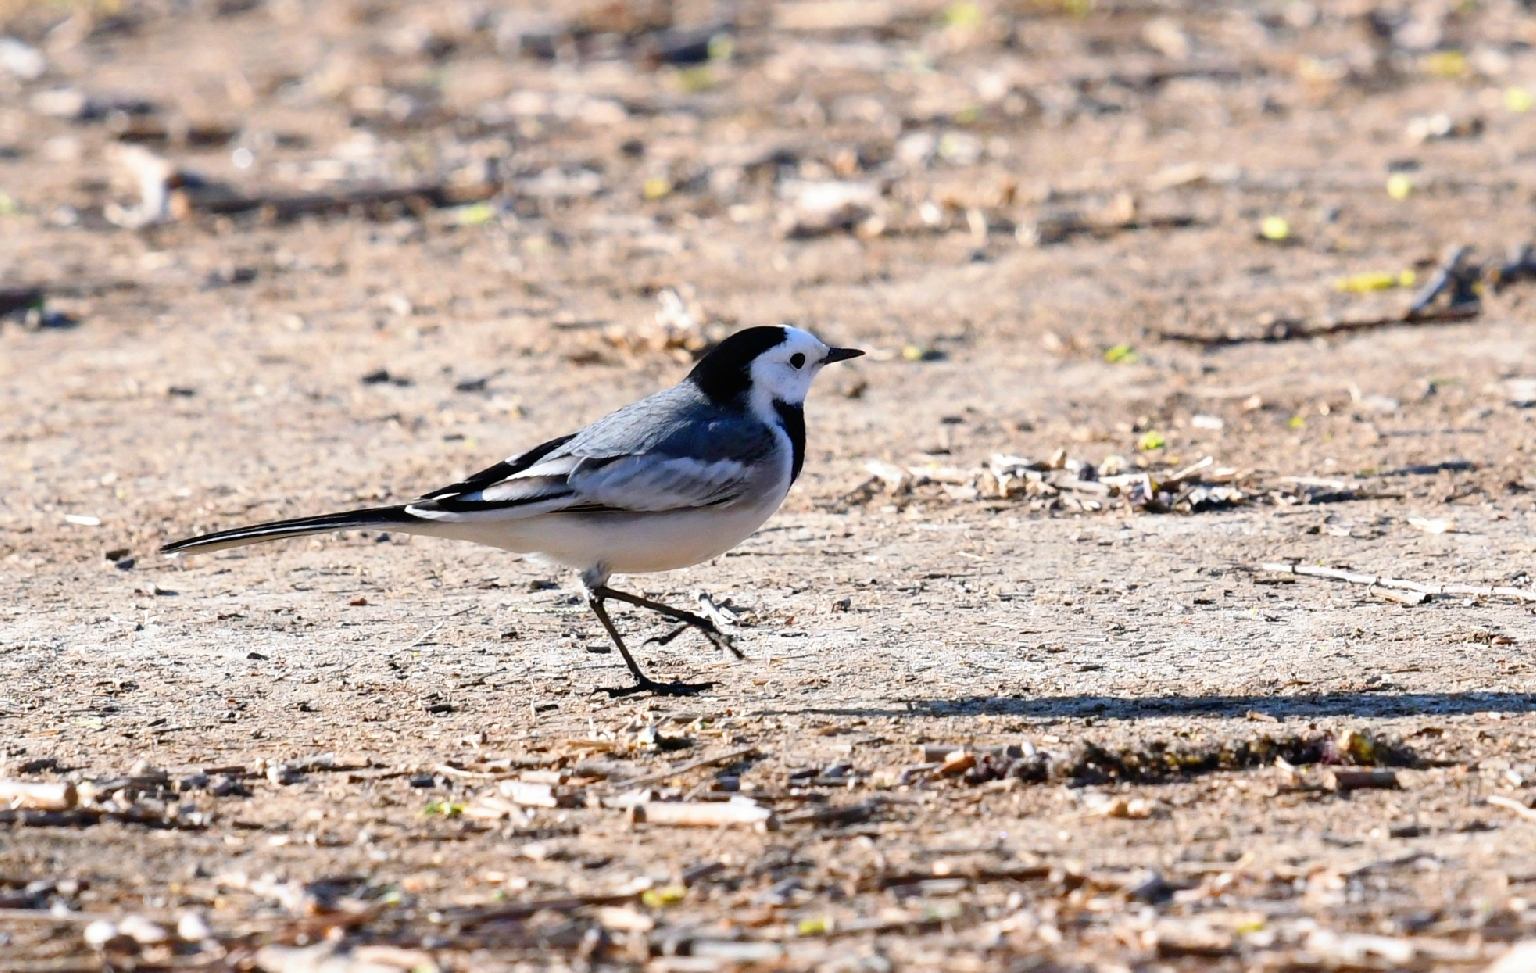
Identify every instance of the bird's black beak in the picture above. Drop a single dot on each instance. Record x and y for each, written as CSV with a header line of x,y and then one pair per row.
x,y
840,354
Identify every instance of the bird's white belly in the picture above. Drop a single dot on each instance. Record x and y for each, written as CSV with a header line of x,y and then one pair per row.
x,y
623,543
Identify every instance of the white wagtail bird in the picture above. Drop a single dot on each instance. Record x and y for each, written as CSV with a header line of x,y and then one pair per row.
x,y
673,480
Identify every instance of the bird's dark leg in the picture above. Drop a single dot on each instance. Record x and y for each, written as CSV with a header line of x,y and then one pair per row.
x,y
711,631
643,683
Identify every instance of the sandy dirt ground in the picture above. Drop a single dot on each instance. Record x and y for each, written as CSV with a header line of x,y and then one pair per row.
x,y
1021,692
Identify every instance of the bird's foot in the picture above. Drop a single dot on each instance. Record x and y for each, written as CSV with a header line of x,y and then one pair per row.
x,y
717,638
659,688
668,637
723,642
709,629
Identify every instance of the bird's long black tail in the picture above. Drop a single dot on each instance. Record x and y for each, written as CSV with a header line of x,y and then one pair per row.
x,y
298,527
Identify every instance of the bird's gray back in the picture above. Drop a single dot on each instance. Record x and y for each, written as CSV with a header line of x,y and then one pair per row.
x,y
679,421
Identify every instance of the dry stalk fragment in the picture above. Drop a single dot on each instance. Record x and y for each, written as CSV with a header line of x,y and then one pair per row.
x,y
38,795
701,814
1406,587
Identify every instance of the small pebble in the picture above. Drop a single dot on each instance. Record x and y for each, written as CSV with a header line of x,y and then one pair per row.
x,y
227,786
282,774
957,763
193,928
99,933
142,931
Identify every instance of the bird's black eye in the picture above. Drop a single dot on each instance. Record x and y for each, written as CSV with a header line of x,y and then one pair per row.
x,y
797,360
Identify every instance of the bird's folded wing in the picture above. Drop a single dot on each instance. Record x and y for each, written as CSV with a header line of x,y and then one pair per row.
x,y
654,482
468,495
657,479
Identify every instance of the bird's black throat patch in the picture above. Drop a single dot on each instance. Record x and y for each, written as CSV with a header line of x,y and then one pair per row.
x,y
792,417
725,374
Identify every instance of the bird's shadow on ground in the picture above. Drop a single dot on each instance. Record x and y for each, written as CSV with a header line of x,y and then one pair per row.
x,y
1131,708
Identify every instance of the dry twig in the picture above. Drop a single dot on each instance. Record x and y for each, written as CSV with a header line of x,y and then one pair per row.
x,y
1287,329
661,775
38,795
1511,804
1409,592
701,814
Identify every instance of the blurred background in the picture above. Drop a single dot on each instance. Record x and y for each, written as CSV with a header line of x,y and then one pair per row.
x,y
1349,134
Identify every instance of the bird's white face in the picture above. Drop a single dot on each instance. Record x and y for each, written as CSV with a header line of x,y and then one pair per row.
x,y
784,372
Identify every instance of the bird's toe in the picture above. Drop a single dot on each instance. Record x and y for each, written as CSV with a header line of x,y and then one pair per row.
x,y
666,637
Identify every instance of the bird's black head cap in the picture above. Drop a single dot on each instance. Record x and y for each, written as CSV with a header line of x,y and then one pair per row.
x,y
725,374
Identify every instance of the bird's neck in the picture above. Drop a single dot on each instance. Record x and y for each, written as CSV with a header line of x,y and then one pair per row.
x,y
791,418
788,416
760,404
